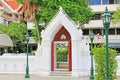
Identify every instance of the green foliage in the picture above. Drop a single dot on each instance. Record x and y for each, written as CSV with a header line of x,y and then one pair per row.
x,y
2,28
45,10
32,53
62,54
20,1
1,51
34,33
78,10
17,32
36,2
22,48
100,63
116,16
62,51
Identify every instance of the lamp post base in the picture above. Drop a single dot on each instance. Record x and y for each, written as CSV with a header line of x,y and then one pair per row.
x,y
27,76
27,73
92,75
92,78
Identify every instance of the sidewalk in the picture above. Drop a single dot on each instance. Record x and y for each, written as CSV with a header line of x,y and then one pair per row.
x,y
35,77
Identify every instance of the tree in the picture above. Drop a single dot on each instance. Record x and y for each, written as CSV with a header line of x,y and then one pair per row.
x,y
16,31
78,10
30,10
42,11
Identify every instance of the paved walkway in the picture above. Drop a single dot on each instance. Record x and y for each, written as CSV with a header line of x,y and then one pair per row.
x,y
35,77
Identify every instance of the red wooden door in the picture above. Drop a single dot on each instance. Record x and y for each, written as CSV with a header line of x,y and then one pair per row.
x,y
69,56
52,57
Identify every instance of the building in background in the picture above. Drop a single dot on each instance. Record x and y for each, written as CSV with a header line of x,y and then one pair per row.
x,y
10,11
98,7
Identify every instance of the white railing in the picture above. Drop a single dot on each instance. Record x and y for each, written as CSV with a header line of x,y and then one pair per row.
x,y
16,64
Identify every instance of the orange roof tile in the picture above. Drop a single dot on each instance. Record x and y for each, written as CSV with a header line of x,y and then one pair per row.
x,y
0,4
14,5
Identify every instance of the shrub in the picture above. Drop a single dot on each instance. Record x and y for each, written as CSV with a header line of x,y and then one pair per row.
x,y
32,53
100,63
62,51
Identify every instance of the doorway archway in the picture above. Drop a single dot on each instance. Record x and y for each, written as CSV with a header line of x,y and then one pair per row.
x,y
61,39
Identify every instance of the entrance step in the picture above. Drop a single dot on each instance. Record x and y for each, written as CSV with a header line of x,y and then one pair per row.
x,y
61,72
62,65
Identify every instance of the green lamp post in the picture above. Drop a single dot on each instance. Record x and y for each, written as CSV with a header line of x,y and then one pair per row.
x,y
106,18
27,66
92,68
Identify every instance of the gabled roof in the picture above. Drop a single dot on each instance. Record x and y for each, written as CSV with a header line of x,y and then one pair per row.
x,y
61,19
11,5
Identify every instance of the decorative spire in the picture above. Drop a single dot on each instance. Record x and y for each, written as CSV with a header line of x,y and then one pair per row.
x,y
60,9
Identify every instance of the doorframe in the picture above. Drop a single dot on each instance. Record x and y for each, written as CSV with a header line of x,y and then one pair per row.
x,y
53,55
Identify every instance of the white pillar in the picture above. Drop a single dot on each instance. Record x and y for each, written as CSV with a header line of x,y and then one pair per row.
x,y
76,58
44,60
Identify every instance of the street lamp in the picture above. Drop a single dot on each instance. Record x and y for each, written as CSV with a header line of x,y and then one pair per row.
x,y
27,67
92,68
106,18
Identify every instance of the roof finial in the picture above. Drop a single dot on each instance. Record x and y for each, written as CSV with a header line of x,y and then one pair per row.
x,y
60,9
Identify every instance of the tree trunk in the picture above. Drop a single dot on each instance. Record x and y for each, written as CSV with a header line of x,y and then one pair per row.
x,y
38,30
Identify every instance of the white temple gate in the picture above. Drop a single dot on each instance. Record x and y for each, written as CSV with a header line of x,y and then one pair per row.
x,y
61,29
